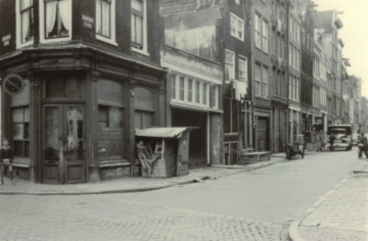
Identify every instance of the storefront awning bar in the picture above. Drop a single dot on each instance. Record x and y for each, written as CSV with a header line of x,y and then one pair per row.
x,y
163,132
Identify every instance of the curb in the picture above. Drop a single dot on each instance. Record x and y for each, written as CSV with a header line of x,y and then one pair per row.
x,y
193,180
294,226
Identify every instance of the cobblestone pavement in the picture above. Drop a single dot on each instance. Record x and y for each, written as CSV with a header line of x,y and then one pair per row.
x,y
343,215
108,217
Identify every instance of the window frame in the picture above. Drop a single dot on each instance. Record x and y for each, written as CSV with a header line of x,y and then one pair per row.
x,y
264,41
227,64
42,30
245,65
19,25
258,30
24,140
112,39
144,49
234,23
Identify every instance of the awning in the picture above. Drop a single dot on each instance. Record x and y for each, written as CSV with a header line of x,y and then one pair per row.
x,y
163,132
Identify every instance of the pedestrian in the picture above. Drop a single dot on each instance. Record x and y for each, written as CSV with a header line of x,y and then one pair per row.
x,y
6,161
332,139
364,146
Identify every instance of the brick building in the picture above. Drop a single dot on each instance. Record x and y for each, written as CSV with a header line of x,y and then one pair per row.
x,y
91,77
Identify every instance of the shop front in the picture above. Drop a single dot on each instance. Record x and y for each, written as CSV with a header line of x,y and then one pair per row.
x,y
74,120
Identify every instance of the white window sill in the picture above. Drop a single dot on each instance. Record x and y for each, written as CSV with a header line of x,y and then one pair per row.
x,y
25,44
141,51
107,40
55,40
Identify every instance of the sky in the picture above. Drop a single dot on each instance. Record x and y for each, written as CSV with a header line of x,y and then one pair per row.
x,y
354,34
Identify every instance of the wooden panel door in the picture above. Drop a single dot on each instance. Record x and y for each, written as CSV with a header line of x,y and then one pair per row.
x,y
64,144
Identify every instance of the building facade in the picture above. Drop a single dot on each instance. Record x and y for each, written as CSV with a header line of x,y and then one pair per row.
x,y
91,77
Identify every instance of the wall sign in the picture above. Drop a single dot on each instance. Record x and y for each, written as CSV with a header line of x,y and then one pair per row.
x,y
13,84
6,39
87,21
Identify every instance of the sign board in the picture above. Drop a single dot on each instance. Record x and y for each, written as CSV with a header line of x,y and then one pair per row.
x,y
87,21
13,84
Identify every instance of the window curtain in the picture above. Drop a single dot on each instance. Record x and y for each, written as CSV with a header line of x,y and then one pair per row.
x,y
98,17
105,19
50,16
65,14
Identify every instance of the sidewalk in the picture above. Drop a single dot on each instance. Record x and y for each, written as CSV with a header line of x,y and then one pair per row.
x,y
341,214
136,184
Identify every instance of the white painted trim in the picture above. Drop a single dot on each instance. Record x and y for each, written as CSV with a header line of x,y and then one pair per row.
x,y
43,39
18,39
145,32
295,108
112,39
190,72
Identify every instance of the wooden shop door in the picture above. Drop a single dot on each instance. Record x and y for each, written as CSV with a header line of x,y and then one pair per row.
x,y
64,144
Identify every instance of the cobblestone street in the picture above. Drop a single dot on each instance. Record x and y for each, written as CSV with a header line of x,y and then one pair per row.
x,y
342,215
107,217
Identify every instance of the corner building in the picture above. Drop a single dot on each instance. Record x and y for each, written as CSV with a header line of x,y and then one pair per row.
x,y
91,77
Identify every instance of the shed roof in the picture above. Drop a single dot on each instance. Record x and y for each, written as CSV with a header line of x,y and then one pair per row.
x,y
163,132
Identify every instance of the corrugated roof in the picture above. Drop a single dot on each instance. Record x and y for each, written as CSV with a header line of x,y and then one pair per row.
x,y
323,20
163,132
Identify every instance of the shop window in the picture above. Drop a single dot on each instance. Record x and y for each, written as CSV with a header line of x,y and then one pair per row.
x,y
64,88
25,22
20,131
190,90
56,19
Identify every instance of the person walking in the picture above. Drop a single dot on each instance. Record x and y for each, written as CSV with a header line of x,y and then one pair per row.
x,y
364,148
332,139
6,161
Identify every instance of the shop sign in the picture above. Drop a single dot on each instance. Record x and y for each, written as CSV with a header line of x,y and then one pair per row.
x,y
13,84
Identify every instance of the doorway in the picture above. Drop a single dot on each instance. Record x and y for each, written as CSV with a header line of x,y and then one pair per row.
x,y
64,144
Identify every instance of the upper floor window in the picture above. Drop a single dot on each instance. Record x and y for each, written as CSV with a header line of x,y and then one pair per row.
x,y
25,22
105,21
243,69
237,27
265,36
56,19
237,1
139,26
229,65
257,30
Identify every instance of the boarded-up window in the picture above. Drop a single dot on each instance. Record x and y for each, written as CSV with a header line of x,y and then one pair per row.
x,y
110,120
144,108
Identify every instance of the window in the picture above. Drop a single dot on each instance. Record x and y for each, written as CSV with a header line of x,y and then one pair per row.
x,y
257,30
144,106
204,94
229,65
197,92
243,69
237,27
257,77
173,86
181,88
265,36
190,90
20,121
105,21
56,19
139,26
237,1
25,22
297,89
274,36
265,82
